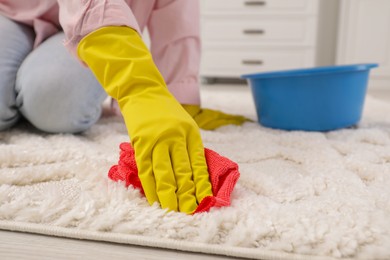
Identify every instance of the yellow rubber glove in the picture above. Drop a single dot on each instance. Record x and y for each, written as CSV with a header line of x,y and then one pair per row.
x,y
209,119
168,148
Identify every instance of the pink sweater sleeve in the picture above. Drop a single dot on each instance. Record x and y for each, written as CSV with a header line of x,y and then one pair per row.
x,y
174,31
81,17
175,46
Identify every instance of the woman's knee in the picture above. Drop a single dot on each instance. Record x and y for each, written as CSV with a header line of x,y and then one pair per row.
x,y
55,121
55,92
54,111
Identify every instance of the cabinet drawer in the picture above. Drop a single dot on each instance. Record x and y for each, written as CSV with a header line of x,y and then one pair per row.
x,y
259,30
234,63
260,6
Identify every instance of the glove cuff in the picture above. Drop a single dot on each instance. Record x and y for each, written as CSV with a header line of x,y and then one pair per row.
x,y
120,61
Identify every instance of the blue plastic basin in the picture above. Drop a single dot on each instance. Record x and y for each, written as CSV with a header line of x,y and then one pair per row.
x,y
314,99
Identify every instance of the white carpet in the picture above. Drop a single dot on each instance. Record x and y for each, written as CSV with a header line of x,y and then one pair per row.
x,y
300,194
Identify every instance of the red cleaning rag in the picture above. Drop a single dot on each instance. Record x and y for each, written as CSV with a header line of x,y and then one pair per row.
x,y
223,176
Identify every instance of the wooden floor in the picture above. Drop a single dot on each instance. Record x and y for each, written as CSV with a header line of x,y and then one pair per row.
x,y
14,245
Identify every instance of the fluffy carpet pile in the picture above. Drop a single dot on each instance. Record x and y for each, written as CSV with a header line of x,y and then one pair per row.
x,y
301,195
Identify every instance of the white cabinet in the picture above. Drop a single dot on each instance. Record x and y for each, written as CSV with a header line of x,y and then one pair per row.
x,y
245,36
364,36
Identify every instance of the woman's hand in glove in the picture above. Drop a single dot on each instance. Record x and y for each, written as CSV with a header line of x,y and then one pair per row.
x,y
209,119
168,148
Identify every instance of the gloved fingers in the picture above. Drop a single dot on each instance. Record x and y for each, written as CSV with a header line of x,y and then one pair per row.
x,y
193,110
184,178
238,120
166,185
224,116
199,166
212,125
232,120
212,119
145,173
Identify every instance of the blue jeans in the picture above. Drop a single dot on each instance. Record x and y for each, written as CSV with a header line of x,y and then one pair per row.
x,y
46,85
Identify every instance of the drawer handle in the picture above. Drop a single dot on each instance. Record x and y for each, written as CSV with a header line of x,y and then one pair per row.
x,y
253,31
254,3
252,62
